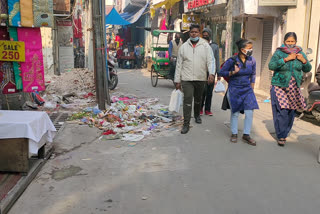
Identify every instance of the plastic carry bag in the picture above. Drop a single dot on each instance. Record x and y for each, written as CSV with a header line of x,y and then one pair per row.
x,y
175,100
219,87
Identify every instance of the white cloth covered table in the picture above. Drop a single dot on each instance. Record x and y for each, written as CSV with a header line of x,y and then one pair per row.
x,y
34,125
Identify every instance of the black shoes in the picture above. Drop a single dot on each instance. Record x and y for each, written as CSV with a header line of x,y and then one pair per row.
x,y
198,120
185,129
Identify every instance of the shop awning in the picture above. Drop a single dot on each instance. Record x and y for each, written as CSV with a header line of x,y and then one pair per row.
x,y
168,3
114,18
133,16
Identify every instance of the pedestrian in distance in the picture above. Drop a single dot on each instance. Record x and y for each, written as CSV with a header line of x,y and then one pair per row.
x,y
193,63
174,46
288,64
241,71
137,54
207,94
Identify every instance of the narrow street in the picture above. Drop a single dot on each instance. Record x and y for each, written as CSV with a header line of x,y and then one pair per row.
x,y
197,173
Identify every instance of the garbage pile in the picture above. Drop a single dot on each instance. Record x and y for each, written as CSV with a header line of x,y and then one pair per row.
x,y
129,118
71,91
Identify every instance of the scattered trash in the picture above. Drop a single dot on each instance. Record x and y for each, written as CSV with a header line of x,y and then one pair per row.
x,y
132,137
109,132
86,159
132,144
267,101
129,118
50,105
144,198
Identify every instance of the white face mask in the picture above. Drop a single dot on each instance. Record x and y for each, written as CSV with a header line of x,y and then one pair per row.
x,y
248,52
291,46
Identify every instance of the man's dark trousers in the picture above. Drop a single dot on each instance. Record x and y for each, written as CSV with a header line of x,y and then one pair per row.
x,y
192,90
207,97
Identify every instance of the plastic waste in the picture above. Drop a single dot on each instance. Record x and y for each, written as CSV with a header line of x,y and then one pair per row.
x,y
175,100
132,137
219,88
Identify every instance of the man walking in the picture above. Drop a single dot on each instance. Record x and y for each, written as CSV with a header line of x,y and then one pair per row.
x,y
195,60
174,46
207,94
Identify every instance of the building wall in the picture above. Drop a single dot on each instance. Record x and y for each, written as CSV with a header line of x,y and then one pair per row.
x,y
254,30
313,41
88,33
296,19
251,7
46,34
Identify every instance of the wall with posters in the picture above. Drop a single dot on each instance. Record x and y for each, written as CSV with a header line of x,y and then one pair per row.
x,y
65,43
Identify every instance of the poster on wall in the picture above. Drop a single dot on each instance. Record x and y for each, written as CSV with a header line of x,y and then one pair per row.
x,y
65,33
61,6
187,20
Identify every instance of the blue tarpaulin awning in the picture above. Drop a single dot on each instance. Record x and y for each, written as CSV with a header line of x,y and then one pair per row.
x,y
114,18
127,18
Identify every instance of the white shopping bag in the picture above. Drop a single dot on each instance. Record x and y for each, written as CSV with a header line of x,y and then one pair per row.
x,y
219,87
175,100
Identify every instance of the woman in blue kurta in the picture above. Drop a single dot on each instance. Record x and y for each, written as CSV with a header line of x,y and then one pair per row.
x,y
241,70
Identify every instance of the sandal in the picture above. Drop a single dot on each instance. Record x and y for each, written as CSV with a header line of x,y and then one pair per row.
x,y
281,142
234,138
249,140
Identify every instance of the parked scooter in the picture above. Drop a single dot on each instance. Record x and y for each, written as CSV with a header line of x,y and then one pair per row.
x,y
113,73
313,95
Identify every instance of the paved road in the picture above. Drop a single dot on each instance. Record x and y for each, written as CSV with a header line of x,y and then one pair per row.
x,y
197,173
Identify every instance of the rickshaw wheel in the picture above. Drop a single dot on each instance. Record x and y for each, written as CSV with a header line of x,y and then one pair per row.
x,y
154,77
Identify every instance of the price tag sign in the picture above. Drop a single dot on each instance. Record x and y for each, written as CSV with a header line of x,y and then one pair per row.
x,y
12,51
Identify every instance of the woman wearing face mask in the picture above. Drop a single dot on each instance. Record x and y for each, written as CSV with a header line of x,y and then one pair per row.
x,y
240,95
288,64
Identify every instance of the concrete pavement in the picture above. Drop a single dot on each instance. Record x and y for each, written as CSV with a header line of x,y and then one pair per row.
x,y
201,172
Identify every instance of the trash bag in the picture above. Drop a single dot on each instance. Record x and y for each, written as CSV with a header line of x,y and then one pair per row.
x,y
219,87
175,100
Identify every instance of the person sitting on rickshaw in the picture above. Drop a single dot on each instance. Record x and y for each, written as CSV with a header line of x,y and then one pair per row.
x,y
174,46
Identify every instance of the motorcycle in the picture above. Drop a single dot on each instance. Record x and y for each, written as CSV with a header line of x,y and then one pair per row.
x,y
113,73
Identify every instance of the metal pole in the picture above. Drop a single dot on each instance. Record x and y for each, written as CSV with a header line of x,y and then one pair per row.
x,y
103,6
99,59
229,28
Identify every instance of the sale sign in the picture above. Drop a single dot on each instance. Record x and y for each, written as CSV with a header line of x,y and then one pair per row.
x,y
12,51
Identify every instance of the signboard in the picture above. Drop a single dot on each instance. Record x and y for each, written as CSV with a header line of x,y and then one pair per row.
x,y
187,20
192,5
12,51
198,3
277,2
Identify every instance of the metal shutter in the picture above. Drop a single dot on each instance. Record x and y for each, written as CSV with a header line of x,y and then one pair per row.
x,y
266,75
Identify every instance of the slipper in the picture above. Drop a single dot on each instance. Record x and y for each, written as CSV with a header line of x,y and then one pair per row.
x,y
249,140
234,138
281,142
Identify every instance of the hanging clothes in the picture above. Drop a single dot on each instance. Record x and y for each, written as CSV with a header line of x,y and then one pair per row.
x,y
3,12
43,13
26,10
7,83
14,13
16,66
32,69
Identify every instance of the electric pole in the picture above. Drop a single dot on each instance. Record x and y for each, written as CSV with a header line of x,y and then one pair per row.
x,y
101,83
229,29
